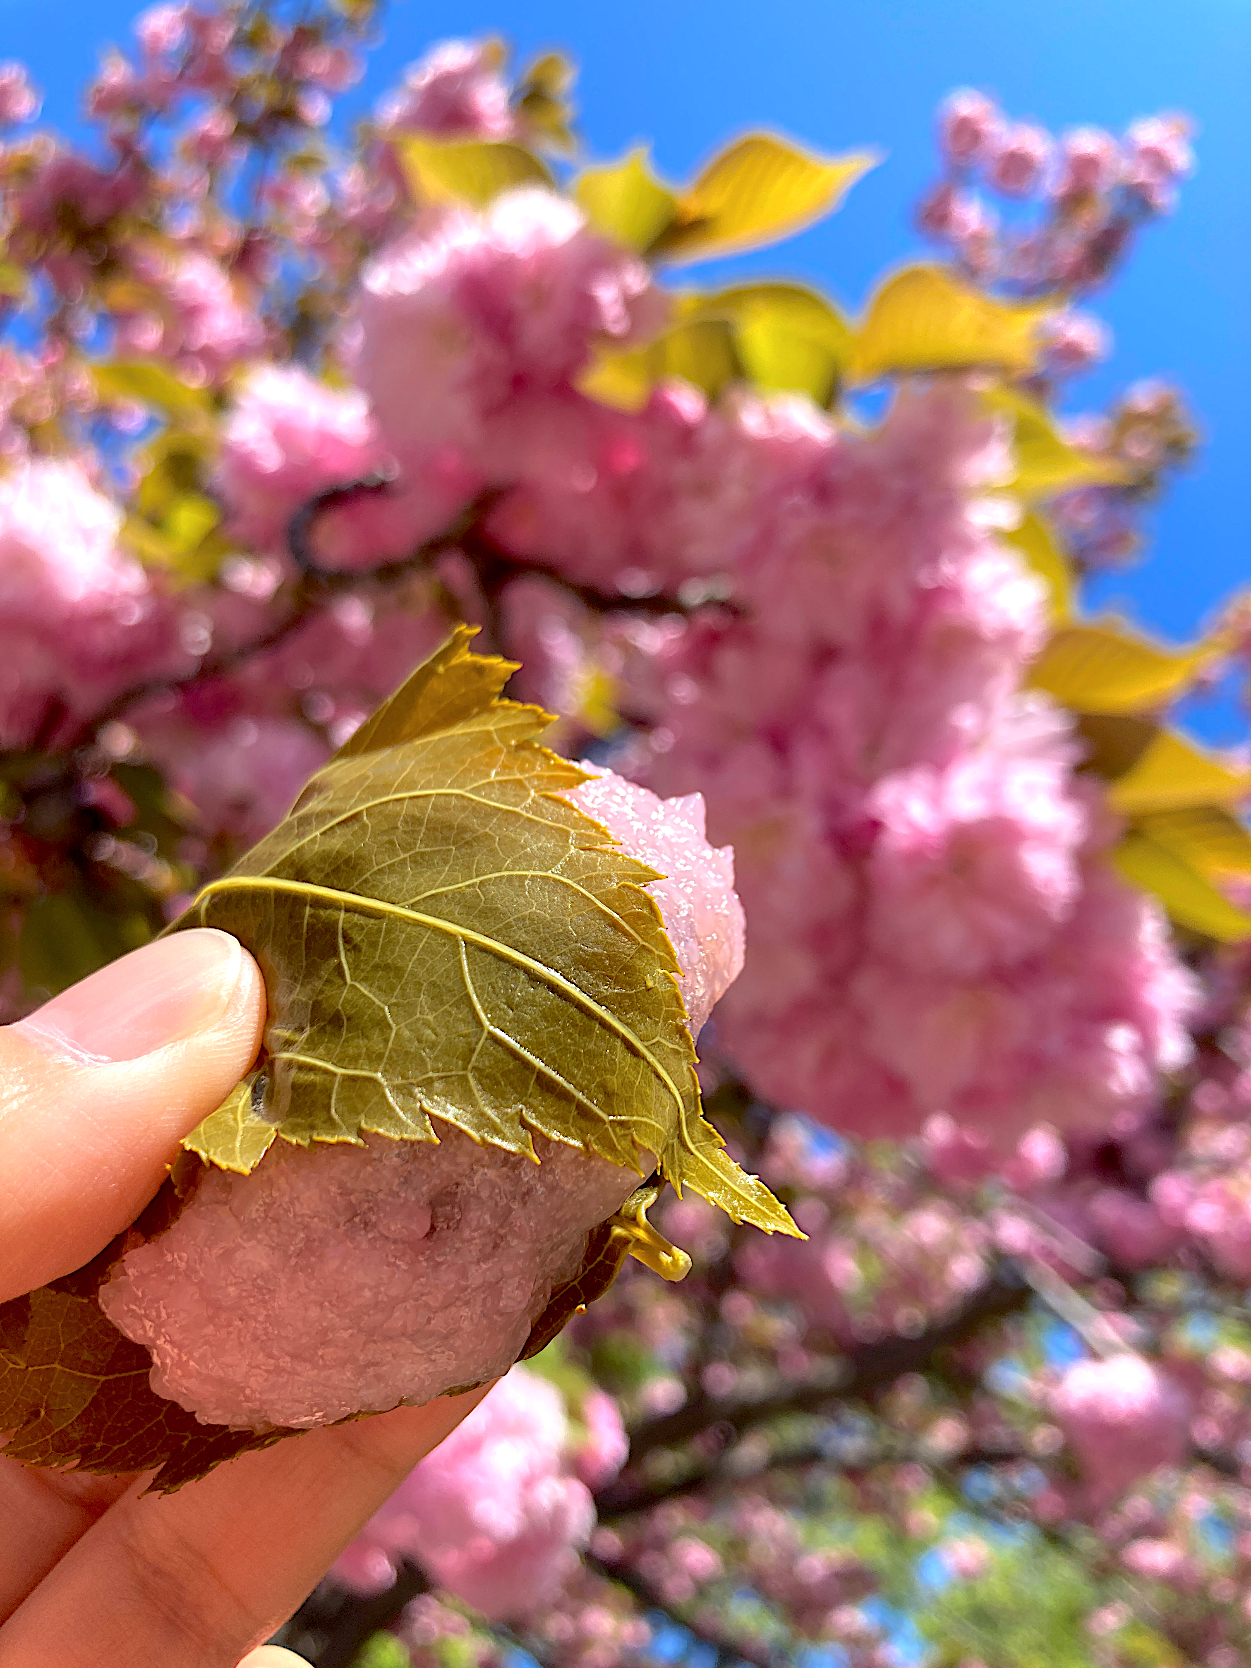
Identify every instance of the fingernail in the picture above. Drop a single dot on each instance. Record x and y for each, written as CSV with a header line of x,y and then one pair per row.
x,y
167,991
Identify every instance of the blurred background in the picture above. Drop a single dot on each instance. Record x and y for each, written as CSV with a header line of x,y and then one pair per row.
x,y
848,73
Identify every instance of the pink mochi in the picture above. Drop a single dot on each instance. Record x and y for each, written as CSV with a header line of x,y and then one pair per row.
x,y
343,1279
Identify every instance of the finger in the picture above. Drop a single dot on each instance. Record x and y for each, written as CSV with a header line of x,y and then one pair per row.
x,y
42,1514
197,1578
272,1656
100,1084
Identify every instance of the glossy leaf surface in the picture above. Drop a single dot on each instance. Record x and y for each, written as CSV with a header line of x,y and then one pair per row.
x,y
924,319
759,189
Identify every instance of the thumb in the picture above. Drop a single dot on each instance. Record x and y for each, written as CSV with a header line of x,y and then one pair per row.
x,y
99,1085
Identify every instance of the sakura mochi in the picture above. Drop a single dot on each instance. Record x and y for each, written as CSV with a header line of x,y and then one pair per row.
x,y
343,1279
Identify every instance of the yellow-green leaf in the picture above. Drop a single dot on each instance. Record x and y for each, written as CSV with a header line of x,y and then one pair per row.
x,y
14,280
793,305
788,338
234,1137
1188,895
175,463
778,360
186,540
622,380
152,383
1172,774
484,953
1096,668
759,189
700,351
190,519
924,319
543,103
1208,837
626,201
1041,549
467,170
1046,464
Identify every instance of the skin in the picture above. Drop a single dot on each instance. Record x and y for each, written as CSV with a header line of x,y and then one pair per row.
x,y
96,1090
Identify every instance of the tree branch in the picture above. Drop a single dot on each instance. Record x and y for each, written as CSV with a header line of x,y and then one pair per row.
x,y
850,1377
728,1648
333,1624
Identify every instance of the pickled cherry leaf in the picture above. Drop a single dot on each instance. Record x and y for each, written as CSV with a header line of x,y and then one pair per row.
x,y
74,1394
234,1137
444,936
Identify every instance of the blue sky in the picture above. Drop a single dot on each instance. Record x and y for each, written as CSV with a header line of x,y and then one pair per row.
x,y
844,73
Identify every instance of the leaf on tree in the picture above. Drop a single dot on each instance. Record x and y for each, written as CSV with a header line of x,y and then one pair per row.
x,y
1107,669
1190,897
923,319
1043,553
1208,837
700,351
759,189
788,337
1173,774
467,170
1046,463
624,200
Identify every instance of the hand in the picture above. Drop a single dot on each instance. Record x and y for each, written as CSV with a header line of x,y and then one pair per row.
x,y
96,1090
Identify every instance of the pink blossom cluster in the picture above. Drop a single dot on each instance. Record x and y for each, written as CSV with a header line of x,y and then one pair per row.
x,y
198,315
286,438
469,329
241,745
1214,1210
1122,1417
873,1273
1091,189
456,91
494,1515
591,1625
190,52
1146,433
432,1629
19,102
78,611
861,740
856,725
687,1550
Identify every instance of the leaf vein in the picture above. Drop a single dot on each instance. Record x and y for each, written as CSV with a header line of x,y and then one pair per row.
x,y
376,906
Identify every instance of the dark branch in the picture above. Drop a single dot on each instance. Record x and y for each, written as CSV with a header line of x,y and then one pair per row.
x,y
728,1648
852,1377
332,1624
212,666
313,587
496,567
